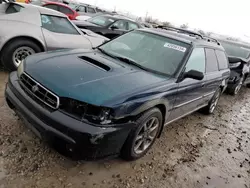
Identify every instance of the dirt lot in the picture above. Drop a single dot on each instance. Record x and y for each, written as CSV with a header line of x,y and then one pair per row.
x,y
197,151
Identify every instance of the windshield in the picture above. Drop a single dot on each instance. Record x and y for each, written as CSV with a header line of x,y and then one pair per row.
x,y
150,51
101,20
236,50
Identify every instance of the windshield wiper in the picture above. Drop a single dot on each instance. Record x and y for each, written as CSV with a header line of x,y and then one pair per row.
x,y
124,59
131,62
106,53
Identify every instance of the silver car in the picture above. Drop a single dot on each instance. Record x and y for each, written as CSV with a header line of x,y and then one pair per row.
x,y
27,29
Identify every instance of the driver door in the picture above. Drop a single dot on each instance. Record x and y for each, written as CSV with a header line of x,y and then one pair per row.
x,y
190,92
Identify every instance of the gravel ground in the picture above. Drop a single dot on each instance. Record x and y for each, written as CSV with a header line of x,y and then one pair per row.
x,y
196,151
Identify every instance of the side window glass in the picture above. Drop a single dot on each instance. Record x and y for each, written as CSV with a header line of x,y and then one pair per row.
x,y
196,61
82,8
222,59
211,61
54,7
65,10
91,10
132,26
58,24
120,24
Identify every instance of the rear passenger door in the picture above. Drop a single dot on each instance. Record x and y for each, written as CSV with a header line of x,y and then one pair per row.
x,y
223,66
213,75
216,72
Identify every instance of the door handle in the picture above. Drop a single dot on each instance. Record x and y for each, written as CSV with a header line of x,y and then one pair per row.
x,y
203,84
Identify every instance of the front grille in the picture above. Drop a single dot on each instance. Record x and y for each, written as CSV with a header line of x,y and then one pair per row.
x,y
38,92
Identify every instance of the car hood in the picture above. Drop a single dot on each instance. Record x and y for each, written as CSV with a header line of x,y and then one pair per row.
x,y
88,75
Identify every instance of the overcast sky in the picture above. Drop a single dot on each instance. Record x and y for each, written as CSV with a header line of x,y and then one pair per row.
x,y
229,17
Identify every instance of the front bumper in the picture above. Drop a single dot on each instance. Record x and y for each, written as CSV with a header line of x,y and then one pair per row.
x,y
92,142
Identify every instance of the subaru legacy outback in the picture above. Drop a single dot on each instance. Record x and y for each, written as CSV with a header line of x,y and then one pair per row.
x,y
116,98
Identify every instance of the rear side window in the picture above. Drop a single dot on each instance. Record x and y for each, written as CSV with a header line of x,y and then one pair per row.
x,y
13,8
222,59
58,25
65,10
211,61
196,61
91,10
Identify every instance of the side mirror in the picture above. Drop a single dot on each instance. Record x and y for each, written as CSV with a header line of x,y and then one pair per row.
x,y
197,75
77,10
113,27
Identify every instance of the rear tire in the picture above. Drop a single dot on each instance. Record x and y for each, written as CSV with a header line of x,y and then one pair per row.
x,y
209,109
236,88
17,50
143,136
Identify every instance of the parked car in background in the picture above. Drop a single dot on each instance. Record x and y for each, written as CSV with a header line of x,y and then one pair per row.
x,y
65,9
239,61
38,29
85,9
115,99
109,26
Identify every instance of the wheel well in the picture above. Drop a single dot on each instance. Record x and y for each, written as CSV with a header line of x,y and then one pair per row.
x,y
28,38
162,108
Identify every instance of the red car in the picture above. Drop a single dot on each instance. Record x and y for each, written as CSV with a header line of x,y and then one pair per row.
x,y
72,14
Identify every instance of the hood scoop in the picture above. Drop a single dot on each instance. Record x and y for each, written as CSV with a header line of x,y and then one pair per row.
x,y
95,63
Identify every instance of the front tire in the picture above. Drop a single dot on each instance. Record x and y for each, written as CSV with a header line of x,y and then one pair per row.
x,y
143,136
16,51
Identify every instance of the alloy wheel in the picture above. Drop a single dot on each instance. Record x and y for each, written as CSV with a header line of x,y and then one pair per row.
x,y
214,102
146,135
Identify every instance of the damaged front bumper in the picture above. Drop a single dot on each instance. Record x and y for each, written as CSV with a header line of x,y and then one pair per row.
x,y
91,141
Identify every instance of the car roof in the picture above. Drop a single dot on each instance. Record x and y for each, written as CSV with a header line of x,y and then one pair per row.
x,y
56,3
117,17
186,38
42,10
28,14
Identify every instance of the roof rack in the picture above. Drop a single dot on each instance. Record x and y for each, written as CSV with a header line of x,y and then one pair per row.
x,y
179,30
185,31
210,39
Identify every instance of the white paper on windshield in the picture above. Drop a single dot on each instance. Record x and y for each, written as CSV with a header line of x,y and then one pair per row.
x,y
175,47
111,20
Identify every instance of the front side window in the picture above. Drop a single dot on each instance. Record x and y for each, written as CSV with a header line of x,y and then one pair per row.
x,y
148,51
211,61
120,24
222,59
101,20
82,9
196,61
58,25
132,26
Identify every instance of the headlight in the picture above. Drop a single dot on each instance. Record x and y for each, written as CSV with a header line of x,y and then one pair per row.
x,y
20,69
234,65
83,111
